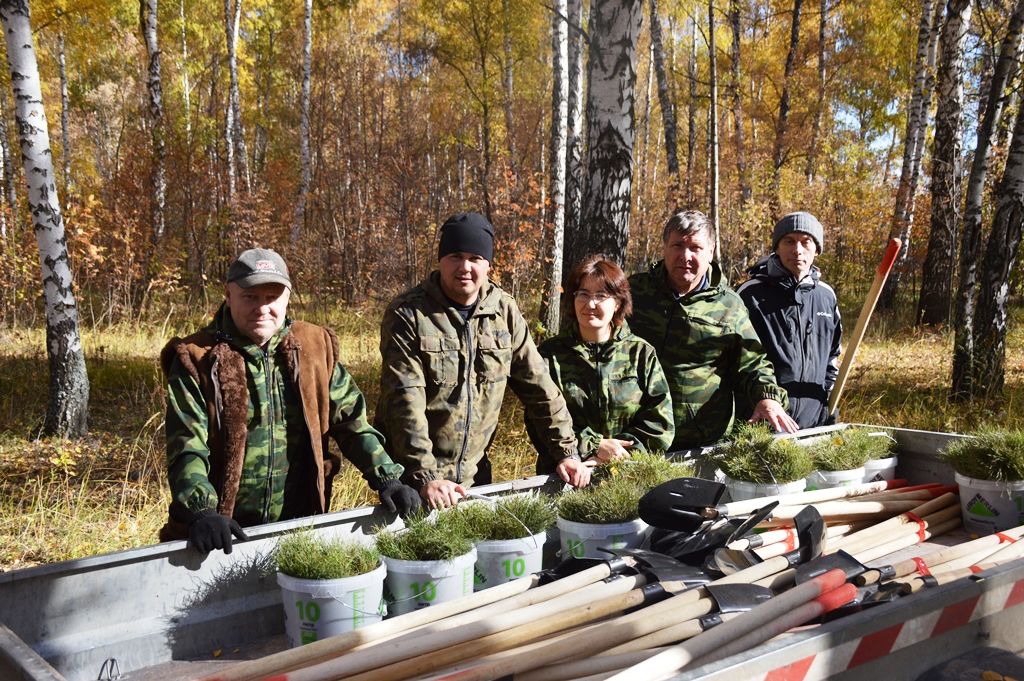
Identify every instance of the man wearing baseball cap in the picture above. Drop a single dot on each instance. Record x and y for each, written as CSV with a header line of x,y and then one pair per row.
x,y
796,316
449,346
252,402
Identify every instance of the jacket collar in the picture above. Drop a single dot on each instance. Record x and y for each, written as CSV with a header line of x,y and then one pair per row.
x,y
771,269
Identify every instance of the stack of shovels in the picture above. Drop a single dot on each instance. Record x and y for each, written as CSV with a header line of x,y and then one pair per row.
x,y
718,579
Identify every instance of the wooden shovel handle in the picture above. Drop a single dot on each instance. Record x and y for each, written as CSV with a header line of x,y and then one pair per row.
x,y
891,251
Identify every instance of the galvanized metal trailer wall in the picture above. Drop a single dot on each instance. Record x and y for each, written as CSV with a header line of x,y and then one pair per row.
x,y
126,611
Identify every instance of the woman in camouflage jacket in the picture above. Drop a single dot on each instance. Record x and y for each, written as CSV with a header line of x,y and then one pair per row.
x,y
611,379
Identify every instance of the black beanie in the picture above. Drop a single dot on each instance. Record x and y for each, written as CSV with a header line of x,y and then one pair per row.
x,y
467,233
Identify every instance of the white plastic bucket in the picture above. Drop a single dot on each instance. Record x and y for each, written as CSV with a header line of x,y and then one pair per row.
x,y
317,608
740,490
828,479
989,506
876,470
503,560
584,540
415,584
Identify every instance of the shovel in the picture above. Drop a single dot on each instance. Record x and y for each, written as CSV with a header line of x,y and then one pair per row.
x,y
810,530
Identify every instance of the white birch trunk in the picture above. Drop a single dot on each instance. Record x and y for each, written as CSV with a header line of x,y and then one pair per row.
x,y
186,88
937,274
913,150
970,246
68,408
508,85
691,138
305,173
10,172
65,135
819,108
238,155
574,133
611,75
668,107
743,174
559,126
779,150
990,322
158,176
713,131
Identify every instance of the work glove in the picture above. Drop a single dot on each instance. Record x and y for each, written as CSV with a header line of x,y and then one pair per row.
x,y
398,497
209,530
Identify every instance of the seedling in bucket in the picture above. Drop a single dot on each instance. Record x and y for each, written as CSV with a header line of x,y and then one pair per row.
x,y
990,471
511,532
329,586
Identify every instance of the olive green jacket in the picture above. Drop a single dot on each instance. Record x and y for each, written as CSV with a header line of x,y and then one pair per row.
x,y
709,351
614,389
442,383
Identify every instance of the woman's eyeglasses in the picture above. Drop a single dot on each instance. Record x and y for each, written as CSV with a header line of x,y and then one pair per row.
x,y
587,296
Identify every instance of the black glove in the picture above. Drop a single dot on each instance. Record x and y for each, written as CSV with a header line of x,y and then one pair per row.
x,y
398,497
209,530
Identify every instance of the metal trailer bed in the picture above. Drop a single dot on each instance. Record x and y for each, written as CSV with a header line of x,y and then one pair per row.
x,y
167,612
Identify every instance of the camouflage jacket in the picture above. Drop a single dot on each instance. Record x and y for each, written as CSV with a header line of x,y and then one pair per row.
x,y
247,429
442,382
708,349
615,389
801,330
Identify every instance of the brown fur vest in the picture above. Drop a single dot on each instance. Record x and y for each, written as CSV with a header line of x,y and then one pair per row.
x,y
310,353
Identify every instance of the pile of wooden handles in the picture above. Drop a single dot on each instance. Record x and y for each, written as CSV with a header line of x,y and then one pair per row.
x,y
546,633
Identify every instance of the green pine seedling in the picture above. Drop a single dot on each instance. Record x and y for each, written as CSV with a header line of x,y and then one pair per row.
x,y
305,555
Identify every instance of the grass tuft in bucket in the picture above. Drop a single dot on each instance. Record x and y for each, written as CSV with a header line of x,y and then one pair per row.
x,y
755,455
328,586
996,455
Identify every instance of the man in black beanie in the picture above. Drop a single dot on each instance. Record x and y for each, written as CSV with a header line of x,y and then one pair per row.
x,y
796,316
448,347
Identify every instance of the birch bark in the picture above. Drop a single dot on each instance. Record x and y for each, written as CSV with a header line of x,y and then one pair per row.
x,y
559,124
611,75
158,175
933,307
299,219
68,407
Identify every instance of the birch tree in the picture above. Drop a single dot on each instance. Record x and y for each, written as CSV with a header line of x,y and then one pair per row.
x,y
237,155
68,407
736,96
668,107
574,131
611,75
937,274
691,113
779,151
990,322
970,246
559,123
158,176
65,105
913,144
819,108
713,130
304,165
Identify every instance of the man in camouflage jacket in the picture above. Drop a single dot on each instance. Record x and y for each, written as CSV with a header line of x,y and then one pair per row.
x,y
252,401
614,389
703,336
449,347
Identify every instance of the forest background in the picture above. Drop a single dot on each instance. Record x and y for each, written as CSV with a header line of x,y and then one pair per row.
x,y
343,133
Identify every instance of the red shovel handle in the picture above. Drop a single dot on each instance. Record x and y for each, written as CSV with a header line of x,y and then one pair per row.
x,y
889,259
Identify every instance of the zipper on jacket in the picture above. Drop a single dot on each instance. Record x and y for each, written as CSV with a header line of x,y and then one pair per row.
x,y
807,350
268,489
469,402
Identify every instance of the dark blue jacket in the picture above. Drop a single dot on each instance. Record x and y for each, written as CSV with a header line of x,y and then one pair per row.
x,y
799,326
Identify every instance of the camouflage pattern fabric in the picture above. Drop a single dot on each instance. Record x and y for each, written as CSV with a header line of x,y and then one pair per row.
x,y
708,349
615,389
443,380
278,467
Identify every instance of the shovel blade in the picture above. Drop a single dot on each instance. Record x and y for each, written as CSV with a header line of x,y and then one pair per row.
x,y
680,504
840,559
663,568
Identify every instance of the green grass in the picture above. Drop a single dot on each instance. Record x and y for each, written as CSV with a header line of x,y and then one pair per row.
x,y
64,500
511,517
755,455
616,489
990,455
443,536
305,555
849,449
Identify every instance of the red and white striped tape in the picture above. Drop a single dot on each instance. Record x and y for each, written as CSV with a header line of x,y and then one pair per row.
x,y
886,641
